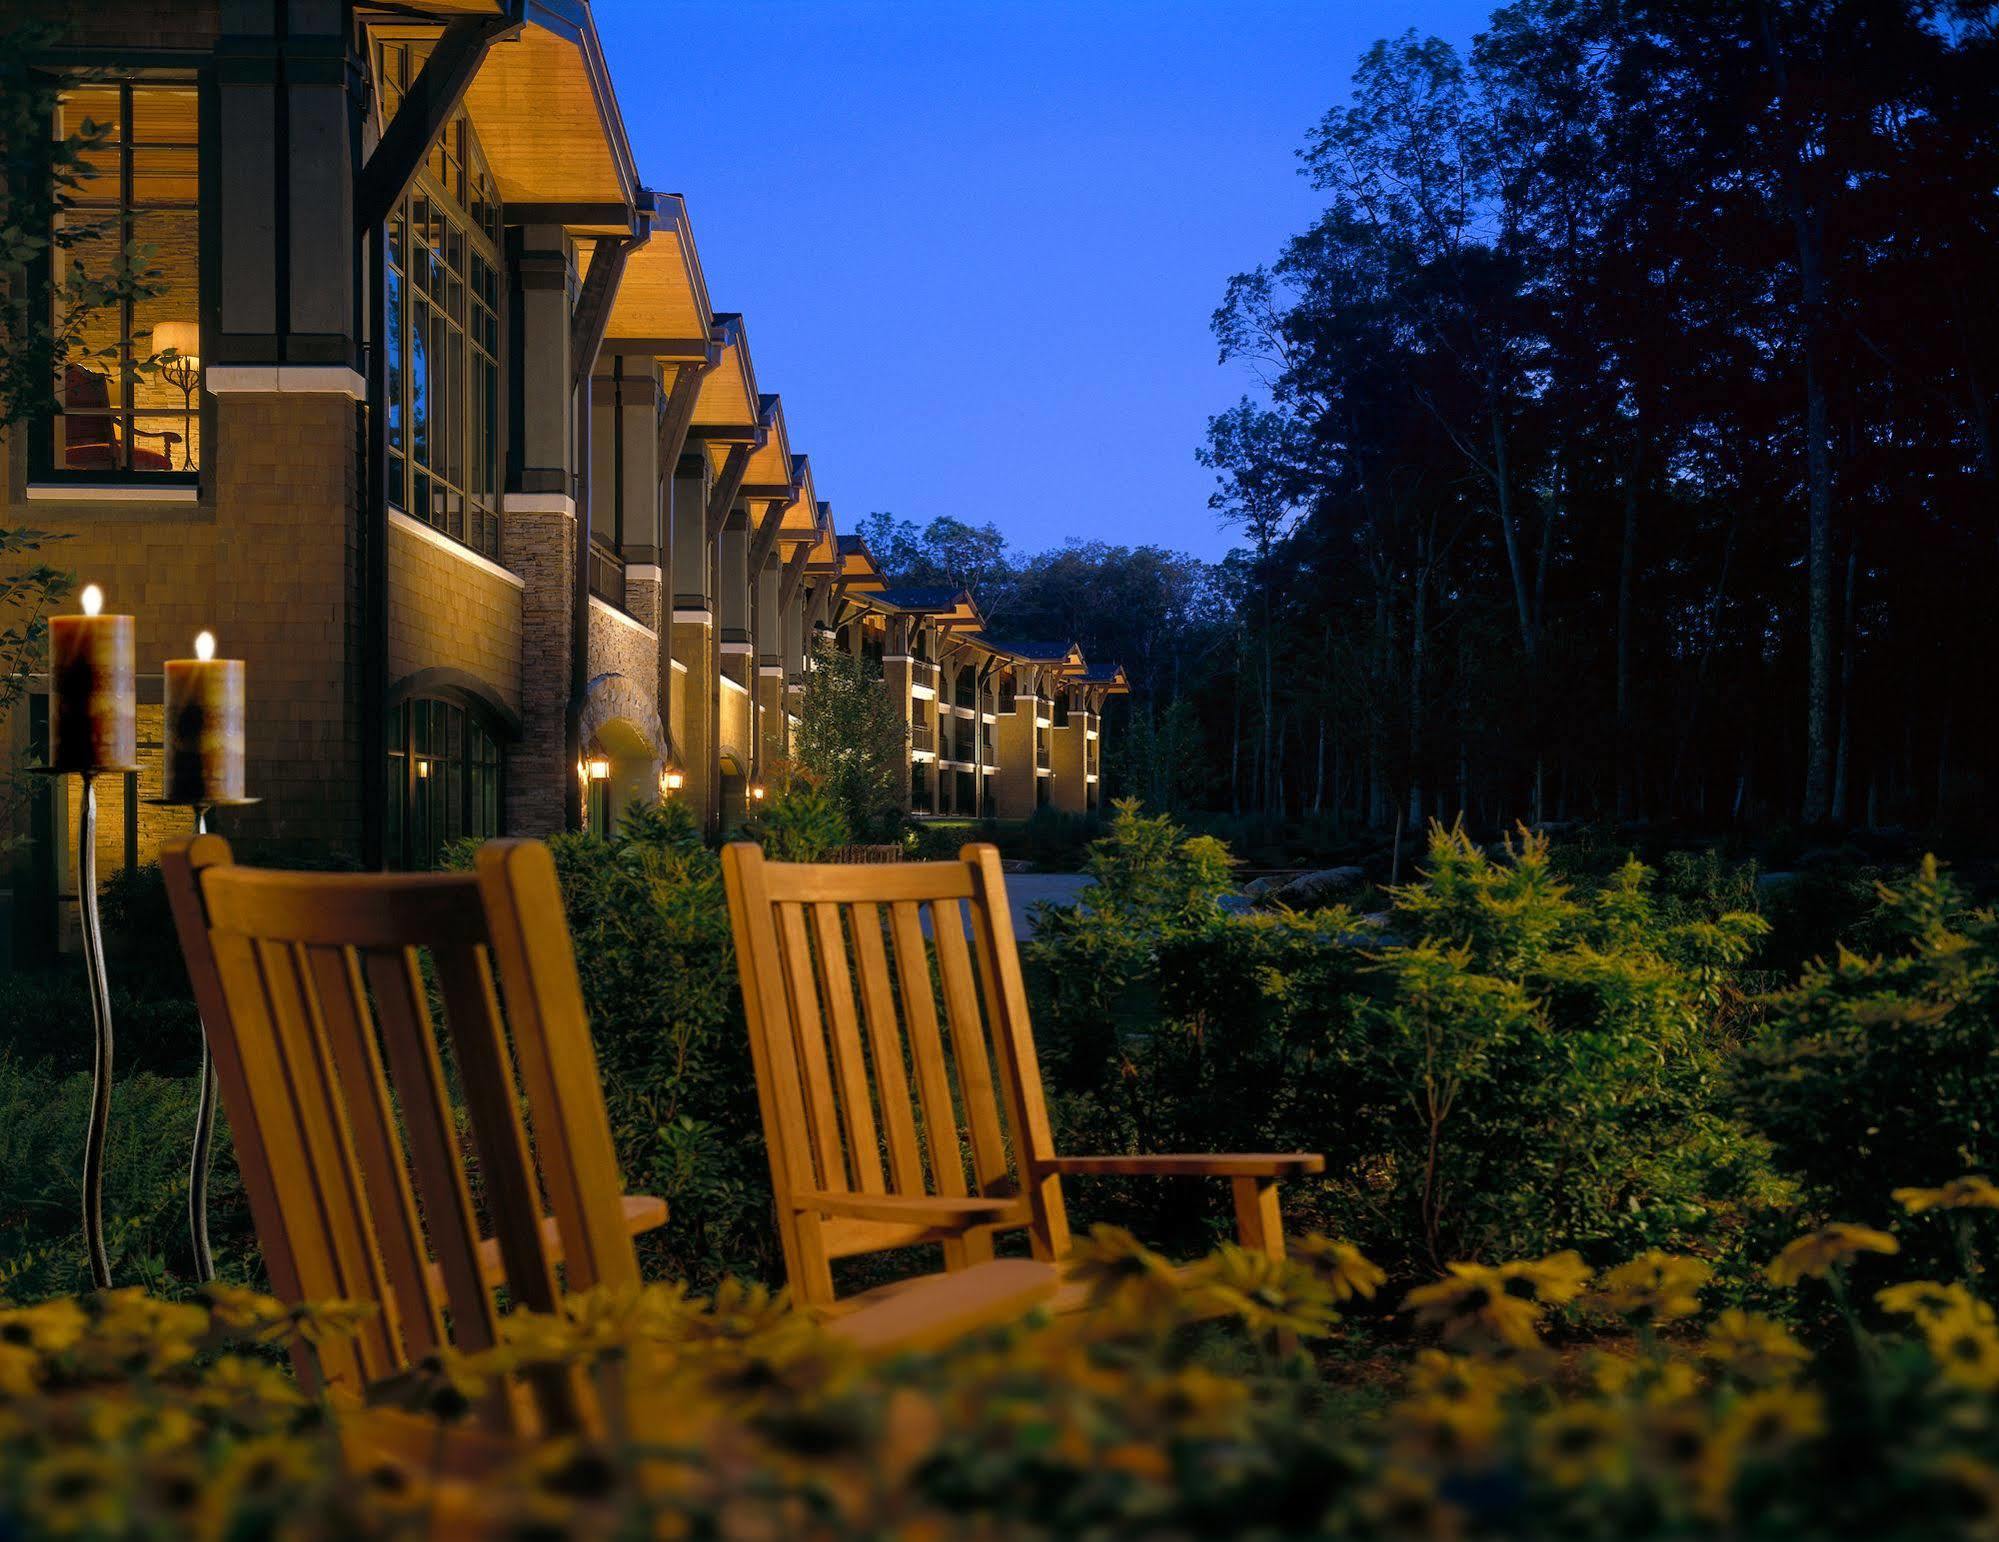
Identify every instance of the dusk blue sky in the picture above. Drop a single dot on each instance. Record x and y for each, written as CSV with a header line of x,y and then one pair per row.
x,y
977,244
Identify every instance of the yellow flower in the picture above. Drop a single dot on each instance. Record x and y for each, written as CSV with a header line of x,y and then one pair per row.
x,y
1648,1378
1552,1281
1443,1430
1818,1253
1579,1443
1927,1301
1656,1287
1114,1262
1436,1372
20,1370
1347,1271
1677,1441
48,1328
1755,1347
1265,1294
249,1393
1971,1192
76,1490
246,1313
1474,1299
1773,1419
267,1472
1965,1348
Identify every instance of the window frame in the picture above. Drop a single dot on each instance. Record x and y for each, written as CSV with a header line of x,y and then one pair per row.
x,y
40,459
473,718
453,464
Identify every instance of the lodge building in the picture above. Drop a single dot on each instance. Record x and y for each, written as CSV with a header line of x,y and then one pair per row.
x,y
440,432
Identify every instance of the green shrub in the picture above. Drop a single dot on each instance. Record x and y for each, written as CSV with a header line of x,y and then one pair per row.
x,y
799,821
1882,1069
42,1114
1506,1067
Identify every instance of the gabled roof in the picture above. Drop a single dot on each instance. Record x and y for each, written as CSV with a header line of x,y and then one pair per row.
x,y
856,565
548,118
662,306
1067,657
1110,677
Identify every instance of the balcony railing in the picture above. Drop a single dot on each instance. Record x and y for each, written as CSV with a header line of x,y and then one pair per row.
x,y
922,737
607,574
1041,756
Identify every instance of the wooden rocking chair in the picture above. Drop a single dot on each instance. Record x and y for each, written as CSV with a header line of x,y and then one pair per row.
x,y
313,995
809,937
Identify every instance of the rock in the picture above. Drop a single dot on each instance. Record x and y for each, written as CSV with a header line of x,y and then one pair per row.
x,y
1256,888
1312,891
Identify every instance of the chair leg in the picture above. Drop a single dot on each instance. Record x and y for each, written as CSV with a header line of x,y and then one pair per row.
x,y
974,1247
1259,1223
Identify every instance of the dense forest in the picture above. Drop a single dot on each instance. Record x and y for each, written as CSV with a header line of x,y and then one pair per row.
x,y
1617,442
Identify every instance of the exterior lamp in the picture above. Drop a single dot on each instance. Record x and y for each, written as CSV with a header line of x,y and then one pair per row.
x,y
671,780
182,339
422,768
598,768
757,792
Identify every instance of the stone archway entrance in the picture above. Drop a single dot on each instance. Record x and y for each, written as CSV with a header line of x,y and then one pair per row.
x,y
622,751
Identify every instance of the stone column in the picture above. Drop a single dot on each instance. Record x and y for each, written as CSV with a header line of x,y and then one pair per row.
x,y
897,675
1068,756
772,740
538,533
1013,782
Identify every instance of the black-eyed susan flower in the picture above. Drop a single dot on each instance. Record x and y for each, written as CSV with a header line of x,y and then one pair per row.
x,y
1754,1347
1443,1431
1473,1299
1648,1377
1347,1271
1264,1294
1965,1348
1580,1443
1112,1262
77,1491
1970,1488
1971,1192
1440,1373
1552,1281
47,1328
1771,1420
1817,1253
1655,1287
1404,1503
1928,1301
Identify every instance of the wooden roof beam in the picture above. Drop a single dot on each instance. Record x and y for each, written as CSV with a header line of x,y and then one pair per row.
x,y
434,97
722,492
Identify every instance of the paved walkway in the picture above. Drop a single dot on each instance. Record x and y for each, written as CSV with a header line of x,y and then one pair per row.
x,y
1025,889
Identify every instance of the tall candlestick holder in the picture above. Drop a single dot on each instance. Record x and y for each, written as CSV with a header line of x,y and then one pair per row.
x,y
202,755
93,733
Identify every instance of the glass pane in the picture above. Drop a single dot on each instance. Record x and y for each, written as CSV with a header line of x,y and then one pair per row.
x,y
420,382
173,242
393,296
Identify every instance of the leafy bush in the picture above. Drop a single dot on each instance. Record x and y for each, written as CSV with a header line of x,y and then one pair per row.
x,y
851,737
42,1115
1505,1066
1882,1068
799,821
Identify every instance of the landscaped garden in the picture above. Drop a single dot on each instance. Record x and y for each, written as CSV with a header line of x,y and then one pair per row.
x,y
1623,1232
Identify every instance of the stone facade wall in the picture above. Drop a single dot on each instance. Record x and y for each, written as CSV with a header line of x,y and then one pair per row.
x,y
447,610
619,646
540,547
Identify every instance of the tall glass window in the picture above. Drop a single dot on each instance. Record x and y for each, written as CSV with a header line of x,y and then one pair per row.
x,y
444,329
130,386
444,780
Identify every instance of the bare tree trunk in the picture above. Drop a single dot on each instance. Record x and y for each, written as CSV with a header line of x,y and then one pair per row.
x,y
1846,635
1319,775
1627,567
1418,625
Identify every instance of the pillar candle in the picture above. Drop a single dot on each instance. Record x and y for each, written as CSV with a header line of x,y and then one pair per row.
x,y
94,724
204,727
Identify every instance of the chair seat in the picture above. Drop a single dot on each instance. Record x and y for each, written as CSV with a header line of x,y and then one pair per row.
x,y
643,1213
931,1310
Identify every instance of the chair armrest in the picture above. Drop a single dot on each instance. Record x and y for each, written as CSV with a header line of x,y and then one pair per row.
x,y
642,1213
1240,1164
156,433
945,1210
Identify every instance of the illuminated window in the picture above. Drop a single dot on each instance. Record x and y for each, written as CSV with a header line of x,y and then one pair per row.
x,y
443,305
125,409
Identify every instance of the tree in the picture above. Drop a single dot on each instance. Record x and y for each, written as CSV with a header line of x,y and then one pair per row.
x,y
851,739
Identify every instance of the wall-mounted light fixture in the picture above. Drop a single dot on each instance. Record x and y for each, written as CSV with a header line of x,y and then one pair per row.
x,y
598,768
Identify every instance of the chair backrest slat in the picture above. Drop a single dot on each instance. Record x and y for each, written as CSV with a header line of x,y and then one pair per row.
x,y
808,1030
315,998
905,1158
836,990
412,1305
936,1063
969,1050
926,1048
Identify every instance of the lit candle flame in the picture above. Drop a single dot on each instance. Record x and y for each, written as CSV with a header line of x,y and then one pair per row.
x,y
204,646
93,599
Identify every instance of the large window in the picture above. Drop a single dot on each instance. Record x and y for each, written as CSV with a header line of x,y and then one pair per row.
x,y
444,780
444,329
130,387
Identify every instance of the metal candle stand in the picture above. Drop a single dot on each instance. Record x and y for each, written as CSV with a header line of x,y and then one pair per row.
x,y
204,1109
